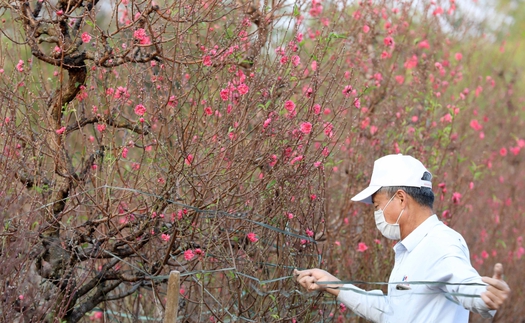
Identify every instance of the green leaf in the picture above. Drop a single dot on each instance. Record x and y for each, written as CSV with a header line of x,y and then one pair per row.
x,y
334,35
296,11
501,243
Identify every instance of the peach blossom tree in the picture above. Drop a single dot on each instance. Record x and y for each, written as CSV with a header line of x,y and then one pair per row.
x,y
224,139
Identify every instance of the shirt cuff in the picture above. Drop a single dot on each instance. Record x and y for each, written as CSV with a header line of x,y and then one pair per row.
x,y
348,296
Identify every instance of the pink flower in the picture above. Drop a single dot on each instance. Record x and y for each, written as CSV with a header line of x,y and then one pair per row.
x,y
515,150
362,247
458,56
98,315
206,60
251,236
520,252
208,111
101,127
140,110
347,90
189,255
411,62
267,123
273,160
172,102
317,109
484,254
296,60
314,65
86,38
296,159
474,124
503,151
446,118
366,29
424,44
189,159
400,79
309,233
20,66
438,11
456,198
166,237
243,89
125,152
289,105
141,36
225,94
388,41
328,129
60,131
122,92
306,127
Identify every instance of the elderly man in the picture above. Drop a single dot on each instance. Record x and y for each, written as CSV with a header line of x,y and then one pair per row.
x,y
428,251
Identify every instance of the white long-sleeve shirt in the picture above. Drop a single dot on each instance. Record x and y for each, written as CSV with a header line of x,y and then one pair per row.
x,y
432,252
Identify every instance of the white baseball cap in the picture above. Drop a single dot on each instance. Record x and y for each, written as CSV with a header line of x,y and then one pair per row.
x,y
394,170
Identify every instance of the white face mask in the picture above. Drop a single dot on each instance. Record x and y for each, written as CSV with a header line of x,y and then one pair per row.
x,y
390,231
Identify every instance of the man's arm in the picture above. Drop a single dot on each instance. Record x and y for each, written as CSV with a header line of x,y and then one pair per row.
x,y
491,297
371,305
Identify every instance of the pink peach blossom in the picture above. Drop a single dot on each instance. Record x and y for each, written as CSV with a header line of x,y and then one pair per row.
x,y
306,127
362,247
189,255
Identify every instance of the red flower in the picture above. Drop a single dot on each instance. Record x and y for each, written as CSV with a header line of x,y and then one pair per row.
x,y
189,255
140,110
388,41
251,236
362,247
86,38
289,105
206,61
243,89
456,198
474,124
306,127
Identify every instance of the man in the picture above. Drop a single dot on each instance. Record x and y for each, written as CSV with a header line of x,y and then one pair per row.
x,y
429,251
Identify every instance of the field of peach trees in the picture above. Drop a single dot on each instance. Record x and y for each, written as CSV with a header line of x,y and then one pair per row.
x,y
224,139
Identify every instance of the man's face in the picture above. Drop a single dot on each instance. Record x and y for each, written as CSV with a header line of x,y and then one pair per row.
x,y
393,209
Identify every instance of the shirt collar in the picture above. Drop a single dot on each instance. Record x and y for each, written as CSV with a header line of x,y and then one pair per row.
x,y
413,239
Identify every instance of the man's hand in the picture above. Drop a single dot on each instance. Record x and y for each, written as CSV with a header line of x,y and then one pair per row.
x,y
497,291
310,277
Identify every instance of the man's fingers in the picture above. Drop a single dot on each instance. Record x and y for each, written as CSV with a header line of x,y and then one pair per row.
x,y
301,273
498,271
308,282
488,300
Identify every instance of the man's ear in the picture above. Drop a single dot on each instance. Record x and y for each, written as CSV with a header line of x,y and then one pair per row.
x,y
402,196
